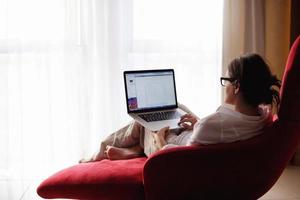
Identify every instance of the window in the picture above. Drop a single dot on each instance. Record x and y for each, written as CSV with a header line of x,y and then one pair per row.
x,y
186,36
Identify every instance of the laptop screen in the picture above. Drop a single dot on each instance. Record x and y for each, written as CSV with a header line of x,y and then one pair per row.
x,y
150,90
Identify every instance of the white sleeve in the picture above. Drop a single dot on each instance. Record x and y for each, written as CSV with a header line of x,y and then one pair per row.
x,y
206,131
168,146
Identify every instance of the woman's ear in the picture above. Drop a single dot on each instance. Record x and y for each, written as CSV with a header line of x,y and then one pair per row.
x,y
236,88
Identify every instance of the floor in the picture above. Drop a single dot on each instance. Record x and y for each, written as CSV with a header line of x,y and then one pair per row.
x,y
286,188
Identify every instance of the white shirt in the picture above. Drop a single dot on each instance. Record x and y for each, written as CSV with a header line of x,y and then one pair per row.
x,y
224,126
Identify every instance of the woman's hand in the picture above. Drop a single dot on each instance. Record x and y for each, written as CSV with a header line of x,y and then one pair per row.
x,y
160,137
187,121
163,132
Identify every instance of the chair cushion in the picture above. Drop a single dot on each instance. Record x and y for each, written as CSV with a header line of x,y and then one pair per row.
x,y
120,179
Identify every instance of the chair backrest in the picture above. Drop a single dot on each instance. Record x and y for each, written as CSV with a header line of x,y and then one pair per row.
x,y
240,170
283,137
273,150
289,111
290,90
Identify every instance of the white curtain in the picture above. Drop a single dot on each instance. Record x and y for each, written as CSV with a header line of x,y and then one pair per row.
x,y
244,29
61,64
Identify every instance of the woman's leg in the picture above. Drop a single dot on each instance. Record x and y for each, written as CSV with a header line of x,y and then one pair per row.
x,y
117,153
127,137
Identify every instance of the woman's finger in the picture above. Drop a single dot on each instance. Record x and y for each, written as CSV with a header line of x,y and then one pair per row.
x,y
190,120
186,126
185,120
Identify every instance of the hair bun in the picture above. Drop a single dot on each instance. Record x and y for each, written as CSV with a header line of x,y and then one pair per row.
x,y
274,81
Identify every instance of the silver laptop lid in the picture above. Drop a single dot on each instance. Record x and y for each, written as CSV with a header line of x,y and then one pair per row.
x,y
150,90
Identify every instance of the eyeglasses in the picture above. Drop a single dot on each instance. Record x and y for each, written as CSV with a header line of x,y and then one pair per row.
x,y
223,80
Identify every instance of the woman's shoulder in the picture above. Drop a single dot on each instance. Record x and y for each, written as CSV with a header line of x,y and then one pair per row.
x,y
209,121
215,120
218,114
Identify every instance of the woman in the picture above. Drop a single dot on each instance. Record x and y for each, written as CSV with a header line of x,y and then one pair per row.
x,y
248,89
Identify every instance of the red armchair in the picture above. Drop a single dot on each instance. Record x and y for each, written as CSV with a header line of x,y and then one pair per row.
x,y
240,170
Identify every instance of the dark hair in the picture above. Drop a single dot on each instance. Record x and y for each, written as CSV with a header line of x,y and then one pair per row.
x,y
255,79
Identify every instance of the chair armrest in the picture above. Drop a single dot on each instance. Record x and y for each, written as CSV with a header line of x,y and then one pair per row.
x,y
197,172
177,173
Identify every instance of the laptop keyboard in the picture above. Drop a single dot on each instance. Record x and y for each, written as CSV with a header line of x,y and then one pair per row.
x,y
158,116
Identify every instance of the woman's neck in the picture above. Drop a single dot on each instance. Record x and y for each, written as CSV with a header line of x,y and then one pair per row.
x,y
246,109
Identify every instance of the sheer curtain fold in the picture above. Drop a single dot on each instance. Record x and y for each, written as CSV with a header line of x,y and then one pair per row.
x,y
243,29
257,26
61,81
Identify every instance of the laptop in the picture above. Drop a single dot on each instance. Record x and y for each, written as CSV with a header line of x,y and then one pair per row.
x,y
151,98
